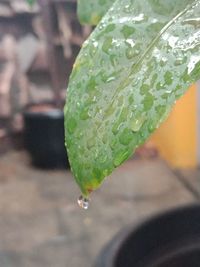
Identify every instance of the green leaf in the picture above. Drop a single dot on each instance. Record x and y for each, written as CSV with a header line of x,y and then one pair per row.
x,y
91,11
128,75
31,2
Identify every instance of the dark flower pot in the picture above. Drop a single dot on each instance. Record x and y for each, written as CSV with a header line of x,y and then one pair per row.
x,y
171,239
44,136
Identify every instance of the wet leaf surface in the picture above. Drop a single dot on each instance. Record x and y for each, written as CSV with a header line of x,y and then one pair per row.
x,y
139,60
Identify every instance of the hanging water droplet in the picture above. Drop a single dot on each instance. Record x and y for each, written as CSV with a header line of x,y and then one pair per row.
x,y
83,202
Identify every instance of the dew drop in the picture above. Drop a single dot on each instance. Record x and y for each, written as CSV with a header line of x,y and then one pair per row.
x,y
159,85
101,26
137,123
116,128
85,114
137,51
178,61
111,79
107,45
142,134
120,157
71,125
130,53
126,136
127,8
168,78
109,111
163,62
104,139
79,135
83,202
110,28
90,143
151,127
130,99
103,158
127,31
148,101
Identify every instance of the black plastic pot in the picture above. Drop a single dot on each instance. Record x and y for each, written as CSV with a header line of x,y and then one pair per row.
x,y
171,239
44,137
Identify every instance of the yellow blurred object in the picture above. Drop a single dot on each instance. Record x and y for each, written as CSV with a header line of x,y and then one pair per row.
x,y
176,139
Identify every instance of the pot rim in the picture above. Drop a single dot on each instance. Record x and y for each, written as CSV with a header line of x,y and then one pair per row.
x,y
52,112
114,246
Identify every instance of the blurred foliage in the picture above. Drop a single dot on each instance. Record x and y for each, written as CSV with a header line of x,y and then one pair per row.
x,y
91,11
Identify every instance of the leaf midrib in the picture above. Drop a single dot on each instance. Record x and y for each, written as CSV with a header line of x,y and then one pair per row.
x,y
150,46
163,30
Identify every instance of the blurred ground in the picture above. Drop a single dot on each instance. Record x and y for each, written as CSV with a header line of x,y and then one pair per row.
x,y
42,226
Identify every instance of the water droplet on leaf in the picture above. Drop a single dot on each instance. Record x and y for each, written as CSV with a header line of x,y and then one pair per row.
x,y
110,79
126,136
120,157
127,31
151,128
71,125
107,44
137,123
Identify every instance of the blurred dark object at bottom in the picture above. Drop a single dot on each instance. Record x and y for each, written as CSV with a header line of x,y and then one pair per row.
x,y
171,239
44,136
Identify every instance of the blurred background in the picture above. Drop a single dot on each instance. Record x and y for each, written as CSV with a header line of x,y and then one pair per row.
x,y
40,222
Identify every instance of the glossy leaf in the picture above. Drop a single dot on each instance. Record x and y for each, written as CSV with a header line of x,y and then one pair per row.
x,y
31,2
126,79
91,11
